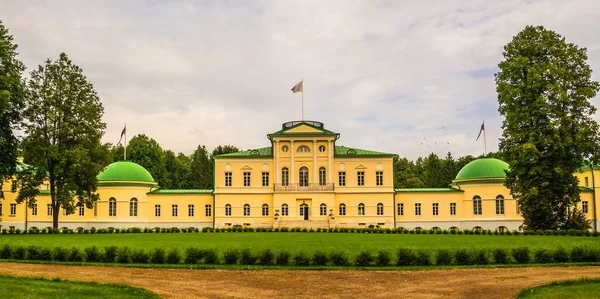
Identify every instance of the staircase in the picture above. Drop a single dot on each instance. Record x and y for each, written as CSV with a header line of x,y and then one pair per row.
x,y
304,223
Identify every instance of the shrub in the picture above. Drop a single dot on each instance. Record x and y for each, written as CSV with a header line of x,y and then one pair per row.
x,y
246,257
18,253
463,257
60,254
211,256
193,255
5,252
383,258
443,257
521,255
45,254
480,257
423,258
364,258
320,258
301,259
231,256
92,254
173,256
339,258
405,257
560,255
542,256
92,230
283,258
75,255
135,230
500,255
139,256
592,254
266,257
110,253
33,253
157,256
123,255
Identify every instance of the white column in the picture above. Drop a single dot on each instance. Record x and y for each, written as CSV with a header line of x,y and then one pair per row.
x,y
292,169
315,170
330,161
277,170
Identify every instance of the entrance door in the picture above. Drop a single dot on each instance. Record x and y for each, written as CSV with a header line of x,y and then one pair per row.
x,y
304,208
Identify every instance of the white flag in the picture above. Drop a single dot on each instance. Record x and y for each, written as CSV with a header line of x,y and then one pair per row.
x,y
298,87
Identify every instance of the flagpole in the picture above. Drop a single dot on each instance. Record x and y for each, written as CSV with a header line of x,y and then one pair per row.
x,y
125,151
302,99
484,140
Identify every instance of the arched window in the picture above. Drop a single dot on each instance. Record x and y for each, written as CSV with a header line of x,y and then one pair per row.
x,y
265,210
303,149
476,205
133,207
227,210
112,207
477,228
322,176
323,210
361,209
284,209
379,209
342,209
303,208
499,205
246,210
285,177
303,176
502,229
322,148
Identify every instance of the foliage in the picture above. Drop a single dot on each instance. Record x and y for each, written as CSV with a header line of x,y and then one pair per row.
x,y
580,288
544,89
145,151
201,170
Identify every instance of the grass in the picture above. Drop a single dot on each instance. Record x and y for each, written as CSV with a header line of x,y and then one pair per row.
x,y
21,287
307,242
581,288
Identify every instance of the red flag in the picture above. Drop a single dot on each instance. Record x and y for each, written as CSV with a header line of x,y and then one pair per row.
x,y
122,133
480,130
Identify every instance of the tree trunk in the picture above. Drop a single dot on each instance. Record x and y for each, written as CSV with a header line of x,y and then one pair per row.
x,y
55,210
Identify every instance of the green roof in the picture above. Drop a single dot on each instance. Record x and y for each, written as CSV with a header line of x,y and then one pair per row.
x,y
483,168
125,171
182,191
585,189
343,151
259,152
300,123
428,190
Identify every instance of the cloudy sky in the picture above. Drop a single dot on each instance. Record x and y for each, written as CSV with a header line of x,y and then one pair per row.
x,y
407,77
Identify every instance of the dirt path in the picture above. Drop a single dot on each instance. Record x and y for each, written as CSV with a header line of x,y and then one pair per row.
x,y
182,283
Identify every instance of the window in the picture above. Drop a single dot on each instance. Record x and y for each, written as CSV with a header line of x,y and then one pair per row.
x,y
112,207
174,210
207,210
265,209
81,210
342,178
361,178
285,148
228,179
586,181
303,149
303,176
342,209
476,205
379,209
436,209
133,207
13,209
322,148
246,210
284,176
246,179
95,209
400,209
361,209
227,210
284,209
323,210
265,179
13,187
584,207
0,209
499,205
33,210
379,178
417,209
156,210
303,207
50,210
322,176
518,208
452,208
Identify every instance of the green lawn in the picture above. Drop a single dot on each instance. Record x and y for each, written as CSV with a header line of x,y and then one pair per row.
x,y
583,288
24,287
352,242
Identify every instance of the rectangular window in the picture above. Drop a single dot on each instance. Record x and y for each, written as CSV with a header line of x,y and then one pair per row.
x,y
586,181
33,210
228,179
49,210
156,210
342,178
13,209
265,179
0,209
81,210
246,179
452,208
379,178
400,209
208,210
417,209
436,209
13,187
584,207
361,178
174,212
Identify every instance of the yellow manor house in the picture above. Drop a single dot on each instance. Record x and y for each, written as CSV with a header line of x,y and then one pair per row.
x,y
303,179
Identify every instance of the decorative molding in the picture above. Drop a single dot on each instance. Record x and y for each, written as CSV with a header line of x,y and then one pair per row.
x,y
246,168
360,167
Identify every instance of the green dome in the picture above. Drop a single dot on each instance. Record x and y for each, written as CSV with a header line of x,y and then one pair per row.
x,y
483,168
125,171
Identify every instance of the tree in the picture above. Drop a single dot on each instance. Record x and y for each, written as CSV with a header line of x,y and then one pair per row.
x,y
12,93
177,170
433,172
224,149
147,152
544,89
63,127
405,175
201,171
